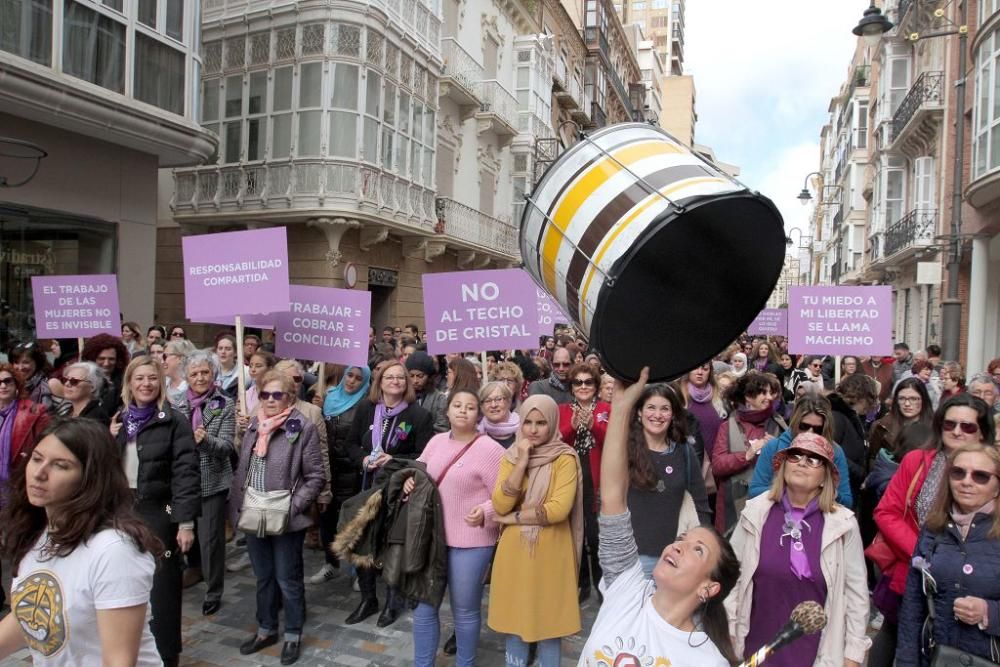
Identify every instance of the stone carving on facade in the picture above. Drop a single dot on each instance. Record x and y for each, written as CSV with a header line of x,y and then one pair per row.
x,y
372,235
490,30
333,229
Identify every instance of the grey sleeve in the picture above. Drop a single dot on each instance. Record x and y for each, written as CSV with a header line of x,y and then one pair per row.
x,y
617,550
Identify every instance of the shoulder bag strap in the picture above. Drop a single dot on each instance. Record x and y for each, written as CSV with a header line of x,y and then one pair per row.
x,y
444,472
910,490
737,439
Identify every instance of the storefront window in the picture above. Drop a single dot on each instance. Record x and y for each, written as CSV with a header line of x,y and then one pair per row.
x,y
35,242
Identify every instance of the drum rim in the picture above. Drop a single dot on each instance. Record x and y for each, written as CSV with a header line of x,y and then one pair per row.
x,y
654,228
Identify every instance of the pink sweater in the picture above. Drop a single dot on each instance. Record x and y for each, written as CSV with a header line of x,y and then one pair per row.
x,y
468,484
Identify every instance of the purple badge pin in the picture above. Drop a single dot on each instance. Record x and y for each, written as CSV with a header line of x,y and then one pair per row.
x,y
669,470
967,568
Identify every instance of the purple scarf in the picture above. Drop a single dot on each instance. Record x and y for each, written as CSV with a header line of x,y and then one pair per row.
x,y
382,415
700,394
760,364
135,418
795,519
503,429
9,414
196,403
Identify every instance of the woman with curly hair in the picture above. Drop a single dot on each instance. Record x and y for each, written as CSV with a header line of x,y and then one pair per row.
x,y
73,537
31,364
110,355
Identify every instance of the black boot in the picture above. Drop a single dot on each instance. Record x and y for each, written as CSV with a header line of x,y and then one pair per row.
x,y
390,612
451,646
367,607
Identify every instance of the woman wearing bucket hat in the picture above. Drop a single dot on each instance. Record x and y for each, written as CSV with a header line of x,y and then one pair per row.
x,y
796,544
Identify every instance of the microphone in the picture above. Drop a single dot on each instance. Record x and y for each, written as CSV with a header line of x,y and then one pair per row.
x,y
807,618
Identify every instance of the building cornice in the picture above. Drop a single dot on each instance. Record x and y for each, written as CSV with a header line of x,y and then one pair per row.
x,y
40,94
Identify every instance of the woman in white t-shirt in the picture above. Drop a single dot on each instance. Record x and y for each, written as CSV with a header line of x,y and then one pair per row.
x,y
83,560
677,618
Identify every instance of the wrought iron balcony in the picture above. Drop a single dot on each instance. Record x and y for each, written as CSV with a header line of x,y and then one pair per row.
x,y
875,247
927,92
475,228
497,109
461,75
914,229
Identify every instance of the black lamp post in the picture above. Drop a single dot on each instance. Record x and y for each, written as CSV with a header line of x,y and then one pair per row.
x,y
872,25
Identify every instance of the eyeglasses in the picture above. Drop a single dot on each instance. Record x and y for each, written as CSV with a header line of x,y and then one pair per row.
x,y
494,400
276,395
968,428
561,364
812,460
817,429
980,477
71,382
908,399
987,395
394,378
8,382
586,382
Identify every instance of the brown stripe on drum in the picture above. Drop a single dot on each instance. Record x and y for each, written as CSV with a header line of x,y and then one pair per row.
x,y
610,215
569,182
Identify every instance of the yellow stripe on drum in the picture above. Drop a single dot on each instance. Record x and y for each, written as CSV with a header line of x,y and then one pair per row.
x,y
610,239
602,170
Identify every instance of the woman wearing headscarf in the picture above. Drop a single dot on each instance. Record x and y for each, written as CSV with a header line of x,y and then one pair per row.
x,y
499,421
161,465
539,501
339,406
213,422
797,544
582,425
739,364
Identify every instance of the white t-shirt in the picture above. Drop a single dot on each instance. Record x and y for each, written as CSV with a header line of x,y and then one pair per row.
x,y
55,601
628,632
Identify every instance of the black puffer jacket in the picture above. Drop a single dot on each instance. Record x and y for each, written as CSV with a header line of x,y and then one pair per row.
x,y
345,474
849,433
414,420
168,464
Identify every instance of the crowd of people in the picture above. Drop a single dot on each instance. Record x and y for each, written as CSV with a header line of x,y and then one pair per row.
x,y
699,513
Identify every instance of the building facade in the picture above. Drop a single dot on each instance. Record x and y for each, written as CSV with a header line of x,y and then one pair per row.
x,y
109,90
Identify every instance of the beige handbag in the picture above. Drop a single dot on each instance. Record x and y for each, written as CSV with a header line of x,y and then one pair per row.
x,y
264,513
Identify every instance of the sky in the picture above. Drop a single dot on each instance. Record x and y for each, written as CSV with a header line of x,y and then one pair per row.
x,y
762,96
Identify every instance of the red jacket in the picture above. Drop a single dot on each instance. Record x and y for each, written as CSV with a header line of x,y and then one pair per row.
x,y
602,412
29,423
896,513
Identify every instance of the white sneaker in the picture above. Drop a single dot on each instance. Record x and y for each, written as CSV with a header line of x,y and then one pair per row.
x,y
325,573
240,563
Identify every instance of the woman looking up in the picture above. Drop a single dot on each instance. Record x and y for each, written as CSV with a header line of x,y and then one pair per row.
x,y
677,617
70,530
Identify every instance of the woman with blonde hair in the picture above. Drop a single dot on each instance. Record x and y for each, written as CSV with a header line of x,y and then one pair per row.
x,y
795,544
498,420
539,504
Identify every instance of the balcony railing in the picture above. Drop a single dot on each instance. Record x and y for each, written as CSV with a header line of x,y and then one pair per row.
x,y
875,247
929,87
459,64
529,123
474,227
497,100
916,227
302,184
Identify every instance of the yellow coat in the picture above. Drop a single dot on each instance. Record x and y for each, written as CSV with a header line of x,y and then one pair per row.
x,y
535,596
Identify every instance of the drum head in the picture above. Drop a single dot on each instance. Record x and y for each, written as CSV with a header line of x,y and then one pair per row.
x,y
690,286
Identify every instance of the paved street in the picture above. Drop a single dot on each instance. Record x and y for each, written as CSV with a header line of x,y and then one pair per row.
x,y
214,642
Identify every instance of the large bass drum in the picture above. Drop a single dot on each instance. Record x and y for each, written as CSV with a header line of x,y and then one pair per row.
x,y
660,258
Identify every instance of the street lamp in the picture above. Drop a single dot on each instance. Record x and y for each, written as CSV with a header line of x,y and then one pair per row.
x,y
805,196
871,27
18,149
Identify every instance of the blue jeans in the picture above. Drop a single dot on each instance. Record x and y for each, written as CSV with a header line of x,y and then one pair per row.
x,y
277,564
465,590
549,652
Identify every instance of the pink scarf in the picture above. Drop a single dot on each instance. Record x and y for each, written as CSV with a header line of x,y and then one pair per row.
x,y
265,427
963,521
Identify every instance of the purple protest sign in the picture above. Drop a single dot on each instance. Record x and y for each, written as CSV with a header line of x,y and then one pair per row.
x,y
76,306
235,272
549,312
325,324
840,320
770,322
471,311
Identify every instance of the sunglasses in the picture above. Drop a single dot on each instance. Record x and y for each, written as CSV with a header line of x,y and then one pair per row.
x,y
589,382
8,382
968,428
980,477
561,364
177,334
72,382
803,427
276,395
812,460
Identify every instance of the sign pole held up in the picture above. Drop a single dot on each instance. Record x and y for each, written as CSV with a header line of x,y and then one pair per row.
x,y
482,359
836,372
321,383
79,348
240,379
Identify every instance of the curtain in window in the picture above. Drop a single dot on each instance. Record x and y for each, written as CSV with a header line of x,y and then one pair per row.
x,y
93,47
159,74
26,29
